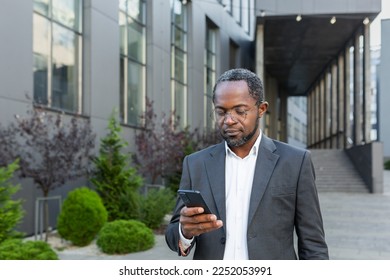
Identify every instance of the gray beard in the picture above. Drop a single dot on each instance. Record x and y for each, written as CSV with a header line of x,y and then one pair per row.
x,y
243,140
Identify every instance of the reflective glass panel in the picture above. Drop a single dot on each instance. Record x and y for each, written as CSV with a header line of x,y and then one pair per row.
x,y
123,33
41,49
180,102
122,88
65,71
42,6
135,94
68,13
179,15
136,9
180,66
136,41
180,38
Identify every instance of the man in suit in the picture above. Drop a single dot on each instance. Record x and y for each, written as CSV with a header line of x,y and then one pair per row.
x,y
259,190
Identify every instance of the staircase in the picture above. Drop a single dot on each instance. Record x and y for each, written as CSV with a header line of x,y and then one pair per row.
x,y
335,172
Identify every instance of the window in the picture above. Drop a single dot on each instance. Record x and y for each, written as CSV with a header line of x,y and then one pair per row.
x,y
246,14
57,52
236,5
132,23
179,60
209,73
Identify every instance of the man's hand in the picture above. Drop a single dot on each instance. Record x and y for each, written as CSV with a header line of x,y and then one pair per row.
x,y
194,222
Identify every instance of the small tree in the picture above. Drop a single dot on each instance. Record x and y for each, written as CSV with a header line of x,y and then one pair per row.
x,y
116,182
160,145
51,151
10,210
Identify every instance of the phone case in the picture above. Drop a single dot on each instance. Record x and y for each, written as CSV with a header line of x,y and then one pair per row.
x,y
193,198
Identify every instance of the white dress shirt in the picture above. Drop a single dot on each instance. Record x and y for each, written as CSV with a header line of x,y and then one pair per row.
x,y
239,174
239,179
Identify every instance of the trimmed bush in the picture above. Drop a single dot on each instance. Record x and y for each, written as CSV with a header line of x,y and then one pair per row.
x,y
155,206
82,216
122,237
16,249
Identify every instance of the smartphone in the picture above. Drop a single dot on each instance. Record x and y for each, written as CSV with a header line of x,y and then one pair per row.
x,y
193,198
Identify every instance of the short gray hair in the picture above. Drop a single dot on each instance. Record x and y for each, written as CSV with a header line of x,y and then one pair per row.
x,y
255,85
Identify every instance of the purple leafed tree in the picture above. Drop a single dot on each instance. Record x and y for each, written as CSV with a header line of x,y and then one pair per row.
x,y
52,149
159,145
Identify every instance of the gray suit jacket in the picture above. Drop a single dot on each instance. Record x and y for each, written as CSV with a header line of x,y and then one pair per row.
x,y
284,197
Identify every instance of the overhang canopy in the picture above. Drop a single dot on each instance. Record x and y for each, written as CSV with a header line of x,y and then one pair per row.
x,y
297,52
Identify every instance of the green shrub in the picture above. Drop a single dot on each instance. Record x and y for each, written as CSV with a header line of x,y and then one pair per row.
x,y
122,237
387,165
155,206
16,249
113,177
129,203
10,210
82,216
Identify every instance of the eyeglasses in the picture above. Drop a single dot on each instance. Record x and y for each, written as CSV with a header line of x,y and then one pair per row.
x,y
237,114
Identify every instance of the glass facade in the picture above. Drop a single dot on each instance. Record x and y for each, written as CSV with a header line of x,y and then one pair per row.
x,y
179,60
132,22
297,121
57,48
209,73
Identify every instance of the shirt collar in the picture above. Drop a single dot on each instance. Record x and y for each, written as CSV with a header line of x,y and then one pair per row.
x,y
254,150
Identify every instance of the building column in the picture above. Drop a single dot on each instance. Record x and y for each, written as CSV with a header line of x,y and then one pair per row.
x,y
260,68
318,115
325,111
322,114
283,117
340,101
312,113
334,106
260,51
347,98
366,85
357,99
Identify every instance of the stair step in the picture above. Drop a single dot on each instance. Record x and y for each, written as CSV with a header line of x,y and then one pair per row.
x,y
335,172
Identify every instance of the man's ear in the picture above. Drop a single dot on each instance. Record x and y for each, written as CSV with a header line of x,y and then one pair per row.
x,y
263,108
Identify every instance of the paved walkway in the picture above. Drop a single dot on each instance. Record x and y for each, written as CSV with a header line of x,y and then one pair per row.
x,y
357,227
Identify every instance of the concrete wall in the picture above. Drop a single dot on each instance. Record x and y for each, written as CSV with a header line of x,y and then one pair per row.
x,y
368,161
16,57
384,88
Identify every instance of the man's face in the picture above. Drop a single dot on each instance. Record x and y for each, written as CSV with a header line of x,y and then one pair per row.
x,y
236,113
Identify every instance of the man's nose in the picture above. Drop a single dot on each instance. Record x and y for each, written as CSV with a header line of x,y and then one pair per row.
x,y
228,119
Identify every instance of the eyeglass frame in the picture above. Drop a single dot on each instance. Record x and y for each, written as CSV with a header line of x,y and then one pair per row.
x,y
235,116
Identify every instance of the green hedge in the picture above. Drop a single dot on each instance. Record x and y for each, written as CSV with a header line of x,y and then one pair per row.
x,y
125,236
82,216
16,249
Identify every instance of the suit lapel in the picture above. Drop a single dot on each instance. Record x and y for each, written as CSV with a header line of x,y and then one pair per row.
x,y
215,169
265,164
